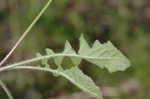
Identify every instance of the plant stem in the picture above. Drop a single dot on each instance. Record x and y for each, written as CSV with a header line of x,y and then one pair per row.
x,y
26,32
35,68
52,56
6,90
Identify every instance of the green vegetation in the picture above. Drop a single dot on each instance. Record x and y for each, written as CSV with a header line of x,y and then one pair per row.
x,y
105,55
125,23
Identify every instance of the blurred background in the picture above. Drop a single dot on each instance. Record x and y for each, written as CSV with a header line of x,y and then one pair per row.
x,y
124,22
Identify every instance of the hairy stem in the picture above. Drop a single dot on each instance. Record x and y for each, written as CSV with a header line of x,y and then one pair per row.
x,y
6,90
25,33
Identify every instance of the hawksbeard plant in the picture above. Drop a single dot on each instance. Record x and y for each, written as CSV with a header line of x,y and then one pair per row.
x,y
102,55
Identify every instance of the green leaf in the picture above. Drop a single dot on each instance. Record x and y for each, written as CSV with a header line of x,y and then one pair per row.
x,y
107,56
77,77
103,55
74,75
68,50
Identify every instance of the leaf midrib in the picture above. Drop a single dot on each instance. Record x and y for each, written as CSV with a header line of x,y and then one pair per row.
x,y
56,55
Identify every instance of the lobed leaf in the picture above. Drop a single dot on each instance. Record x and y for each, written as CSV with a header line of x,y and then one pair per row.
x,y
103,55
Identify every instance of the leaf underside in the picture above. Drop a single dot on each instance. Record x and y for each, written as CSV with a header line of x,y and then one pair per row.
x,y
103,55
77,77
